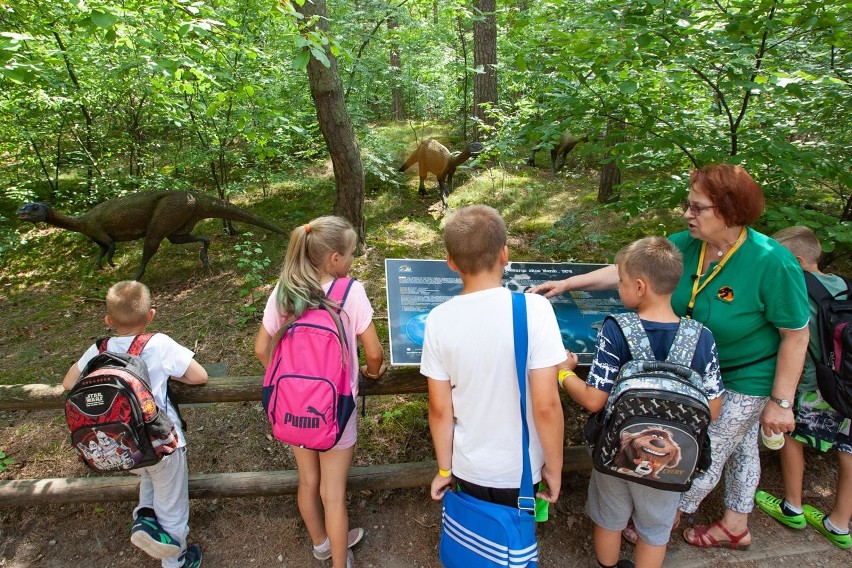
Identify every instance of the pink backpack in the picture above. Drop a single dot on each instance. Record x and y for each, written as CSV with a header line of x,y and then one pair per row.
x,y
307,392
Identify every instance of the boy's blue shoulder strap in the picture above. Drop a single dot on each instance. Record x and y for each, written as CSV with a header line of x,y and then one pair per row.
x,y
634,334
526,497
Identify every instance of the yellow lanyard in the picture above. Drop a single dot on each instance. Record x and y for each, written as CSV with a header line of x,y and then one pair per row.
x,y
695,287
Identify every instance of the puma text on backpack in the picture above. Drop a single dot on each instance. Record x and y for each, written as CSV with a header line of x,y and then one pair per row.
x,y
653,430
115,422
834,369
307,392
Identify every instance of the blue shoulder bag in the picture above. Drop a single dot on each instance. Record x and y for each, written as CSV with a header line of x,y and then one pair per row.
x,y
479,534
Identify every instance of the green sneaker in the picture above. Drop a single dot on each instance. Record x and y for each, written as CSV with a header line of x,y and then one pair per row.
x,y
815,518
772,507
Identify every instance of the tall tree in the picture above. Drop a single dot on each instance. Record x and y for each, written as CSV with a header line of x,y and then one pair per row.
x,y
485,64
334,121
397,105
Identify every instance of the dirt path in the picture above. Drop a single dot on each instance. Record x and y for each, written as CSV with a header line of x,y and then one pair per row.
x,y
402,532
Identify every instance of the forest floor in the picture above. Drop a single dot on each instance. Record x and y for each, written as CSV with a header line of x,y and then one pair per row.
x,y
402,526
51,308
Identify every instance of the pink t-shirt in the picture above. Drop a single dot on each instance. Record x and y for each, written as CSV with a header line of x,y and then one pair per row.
x,y
356,316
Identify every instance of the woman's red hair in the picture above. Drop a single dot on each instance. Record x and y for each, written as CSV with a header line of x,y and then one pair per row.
x,y
737,197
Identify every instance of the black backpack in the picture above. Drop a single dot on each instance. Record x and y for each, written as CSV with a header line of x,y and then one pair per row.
x,y
115,422
653,430
834,368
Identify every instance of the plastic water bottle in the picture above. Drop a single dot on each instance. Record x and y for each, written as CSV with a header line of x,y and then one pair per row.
x,y
772,441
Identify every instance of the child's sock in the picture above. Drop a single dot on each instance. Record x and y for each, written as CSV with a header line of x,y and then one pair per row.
x,y
832,528
146,512
789,510
324,547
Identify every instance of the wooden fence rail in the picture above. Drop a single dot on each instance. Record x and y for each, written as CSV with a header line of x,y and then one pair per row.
x,y
33,492
397,380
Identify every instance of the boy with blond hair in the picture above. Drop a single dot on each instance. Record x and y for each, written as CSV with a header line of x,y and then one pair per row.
x,y
468,357
817,424
648,273
161,519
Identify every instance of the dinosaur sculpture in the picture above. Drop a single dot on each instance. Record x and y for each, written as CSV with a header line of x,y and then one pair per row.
x,y
560,152
154,216
433,157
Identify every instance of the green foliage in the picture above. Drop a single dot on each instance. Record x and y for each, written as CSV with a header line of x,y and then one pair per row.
x,y
380,161
5,461
569,236
252,262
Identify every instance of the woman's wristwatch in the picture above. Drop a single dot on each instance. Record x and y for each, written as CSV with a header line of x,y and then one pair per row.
x,y
783,403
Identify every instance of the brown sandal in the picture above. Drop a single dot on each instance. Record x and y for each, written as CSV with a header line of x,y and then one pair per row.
x,y
702,538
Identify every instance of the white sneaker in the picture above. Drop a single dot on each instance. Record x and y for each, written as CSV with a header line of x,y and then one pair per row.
x,y
324,553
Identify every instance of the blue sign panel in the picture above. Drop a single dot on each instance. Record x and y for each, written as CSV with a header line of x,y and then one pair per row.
x,y
414,287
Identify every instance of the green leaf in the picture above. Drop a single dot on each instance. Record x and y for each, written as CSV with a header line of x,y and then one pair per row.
x,y
103,19
300,62
319,55
628,87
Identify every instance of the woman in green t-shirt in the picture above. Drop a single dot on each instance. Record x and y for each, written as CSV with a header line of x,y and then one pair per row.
x,y
750,292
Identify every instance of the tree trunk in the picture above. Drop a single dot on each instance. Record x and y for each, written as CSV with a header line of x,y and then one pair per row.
x,y
610,174
397,104
336,127
485,61
465,82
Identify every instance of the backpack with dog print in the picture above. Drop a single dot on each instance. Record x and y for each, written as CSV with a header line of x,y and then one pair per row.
x,y
653,430
114,420
307,392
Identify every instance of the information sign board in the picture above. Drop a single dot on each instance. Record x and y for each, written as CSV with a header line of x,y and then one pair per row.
x,y
414,287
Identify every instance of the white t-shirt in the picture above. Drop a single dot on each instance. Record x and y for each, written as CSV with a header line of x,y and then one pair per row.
x,y
357,315
469,341
164,357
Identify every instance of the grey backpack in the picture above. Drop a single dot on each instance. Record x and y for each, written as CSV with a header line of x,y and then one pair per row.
x,y
653,430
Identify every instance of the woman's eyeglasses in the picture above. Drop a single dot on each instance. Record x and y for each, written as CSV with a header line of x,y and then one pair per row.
x,y
694,208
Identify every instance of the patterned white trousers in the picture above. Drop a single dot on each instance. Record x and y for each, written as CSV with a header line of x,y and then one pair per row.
x,y
734,450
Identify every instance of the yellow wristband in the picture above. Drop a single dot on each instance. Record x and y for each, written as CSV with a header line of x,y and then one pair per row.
x,y
444,472
565,373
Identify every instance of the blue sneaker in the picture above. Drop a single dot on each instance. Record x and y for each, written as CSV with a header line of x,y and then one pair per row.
x,y
191,557
148,535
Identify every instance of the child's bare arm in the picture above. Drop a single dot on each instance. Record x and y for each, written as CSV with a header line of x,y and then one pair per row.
x,y
585,395
715,407
441,427
261,346
550,425
195,374
71,377
373,353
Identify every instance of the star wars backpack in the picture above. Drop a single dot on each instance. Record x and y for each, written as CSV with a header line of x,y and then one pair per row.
x,y
653,430
115,422
307,393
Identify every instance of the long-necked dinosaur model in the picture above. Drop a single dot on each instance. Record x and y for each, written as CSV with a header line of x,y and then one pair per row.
x,y
433,157
559,153
154,215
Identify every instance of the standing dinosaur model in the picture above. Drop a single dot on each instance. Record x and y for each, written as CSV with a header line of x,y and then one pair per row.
x,y
152,215
560,152
433,157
